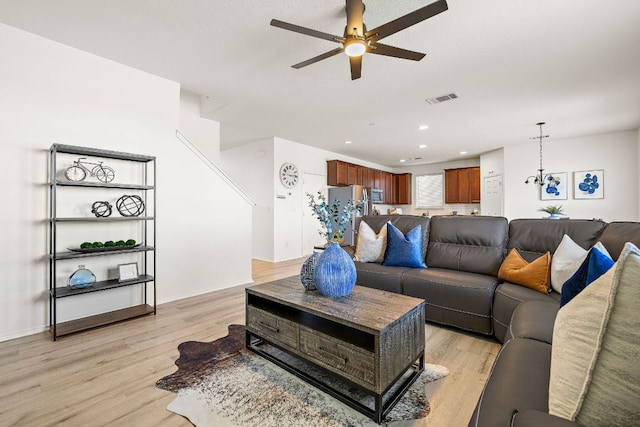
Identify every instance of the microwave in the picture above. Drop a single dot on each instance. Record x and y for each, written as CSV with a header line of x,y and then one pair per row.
x,y
377,196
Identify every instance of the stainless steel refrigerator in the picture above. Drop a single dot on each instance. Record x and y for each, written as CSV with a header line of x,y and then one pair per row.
x,y
361,196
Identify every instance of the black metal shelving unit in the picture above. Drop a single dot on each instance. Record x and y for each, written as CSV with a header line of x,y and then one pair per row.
x,y
146,248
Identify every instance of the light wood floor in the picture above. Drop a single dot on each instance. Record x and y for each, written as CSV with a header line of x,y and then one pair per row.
x,y
107,376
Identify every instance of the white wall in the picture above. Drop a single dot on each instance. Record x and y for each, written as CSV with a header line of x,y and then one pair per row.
x,y
615,153
461,208
255,166
491,164
638,171
51,93
251,167
203,133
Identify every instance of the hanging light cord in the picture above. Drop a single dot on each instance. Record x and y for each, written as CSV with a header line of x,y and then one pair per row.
x,y
539,178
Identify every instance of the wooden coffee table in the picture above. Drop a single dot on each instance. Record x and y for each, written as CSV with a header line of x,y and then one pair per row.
x,y
372,339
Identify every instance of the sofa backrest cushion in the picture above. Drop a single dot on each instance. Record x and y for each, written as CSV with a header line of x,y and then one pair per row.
x,y
475,244
404,223
533,237
617,233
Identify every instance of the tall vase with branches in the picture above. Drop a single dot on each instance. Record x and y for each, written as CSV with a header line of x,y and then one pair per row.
x,y
335,272
333,219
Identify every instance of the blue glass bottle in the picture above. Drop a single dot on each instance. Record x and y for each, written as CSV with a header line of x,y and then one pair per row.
x,y
81,278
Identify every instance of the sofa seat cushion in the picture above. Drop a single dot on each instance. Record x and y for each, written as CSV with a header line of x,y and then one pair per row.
x,y
519,381
379,276
533,320
507,297
453,297
539,418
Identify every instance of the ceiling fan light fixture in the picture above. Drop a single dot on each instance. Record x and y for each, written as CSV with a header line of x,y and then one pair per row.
x,y
355,46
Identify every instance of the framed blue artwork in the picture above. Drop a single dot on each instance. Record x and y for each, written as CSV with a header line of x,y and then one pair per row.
x,y
588,184
554,187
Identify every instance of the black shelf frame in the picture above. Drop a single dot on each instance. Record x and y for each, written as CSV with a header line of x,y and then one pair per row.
x,y
103,219
91,184
74,254
148,230
67,291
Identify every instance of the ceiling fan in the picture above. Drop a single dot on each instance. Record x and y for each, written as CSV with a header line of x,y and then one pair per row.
x,y
357,41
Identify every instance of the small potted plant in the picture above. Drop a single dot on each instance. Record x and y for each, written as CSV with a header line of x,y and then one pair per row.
x,y
554,211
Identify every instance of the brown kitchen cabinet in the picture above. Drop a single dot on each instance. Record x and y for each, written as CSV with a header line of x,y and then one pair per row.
x,y
396,188
389,188
341,173
402,186
352,174
462,185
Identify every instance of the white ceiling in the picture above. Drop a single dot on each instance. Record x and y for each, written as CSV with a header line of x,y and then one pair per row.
x,y
572,63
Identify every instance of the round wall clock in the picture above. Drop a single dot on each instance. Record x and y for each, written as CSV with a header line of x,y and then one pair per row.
x,y
289,175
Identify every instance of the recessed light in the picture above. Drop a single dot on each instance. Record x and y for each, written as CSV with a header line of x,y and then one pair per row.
x,y
347,142
422,146
402,160
423,127
463,152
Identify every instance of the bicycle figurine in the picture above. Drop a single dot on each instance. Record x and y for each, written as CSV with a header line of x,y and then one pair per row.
x,y
78,172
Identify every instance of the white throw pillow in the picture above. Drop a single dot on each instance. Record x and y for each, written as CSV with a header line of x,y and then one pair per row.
x,y
566,259
595,374
370,246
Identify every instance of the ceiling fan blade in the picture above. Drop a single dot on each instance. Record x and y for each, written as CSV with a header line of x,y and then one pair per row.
x,y
356,67
386,50
355,10
306,31
406,21
318,58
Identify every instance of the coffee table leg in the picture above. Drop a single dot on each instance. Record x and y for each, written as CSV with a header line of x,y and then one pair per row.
x,y
378,409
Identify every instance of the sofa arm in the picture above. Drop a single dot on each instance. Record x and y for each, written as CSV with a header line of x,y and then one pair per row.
x,y
538,418
533,320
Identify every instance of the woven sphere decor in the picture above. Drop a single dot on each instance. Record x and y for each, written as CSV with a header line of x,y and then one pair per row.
x,y
130,205
306,272
101,209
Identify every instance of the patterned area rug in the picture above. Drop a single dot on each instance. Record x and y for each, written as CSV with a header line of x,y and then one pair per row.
x,y
221,383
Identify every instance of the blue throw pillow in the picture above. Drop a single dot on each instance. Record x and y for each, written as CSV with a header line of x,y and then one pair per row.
x,y
595,265
404,251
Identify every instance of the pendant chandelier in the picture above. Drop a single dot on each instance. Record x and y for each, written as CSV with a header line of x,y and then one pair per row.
x,y
539,177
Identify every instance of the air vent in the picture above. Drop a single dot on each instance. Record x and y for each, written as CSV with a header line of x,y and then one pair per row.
x,y
442,98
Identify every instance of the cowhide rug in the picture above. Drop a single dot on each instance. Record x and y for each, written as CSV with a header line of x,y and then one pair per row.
x,y
221,383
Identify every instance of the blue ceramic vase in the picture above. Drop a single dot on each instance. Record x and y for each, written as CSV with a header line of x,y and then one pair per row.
x,y
335,273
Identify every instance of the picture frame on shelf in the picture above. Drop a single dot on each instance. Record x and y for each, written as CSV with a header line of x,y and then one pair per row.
x,y
127,272
555,186
588,184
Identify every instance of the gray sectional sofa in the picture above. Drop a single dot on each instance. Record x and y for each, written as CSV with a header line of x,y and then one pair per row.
x,y
461,289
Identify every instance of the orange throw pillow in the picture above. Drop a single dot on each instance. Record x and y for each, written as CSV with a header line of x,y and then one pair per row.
x,y
534,274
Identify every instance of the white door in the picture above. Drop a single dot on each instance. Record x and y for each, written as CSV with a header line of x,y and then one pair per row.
x,y
492,198
311,183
